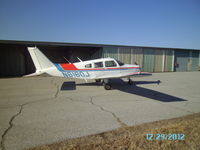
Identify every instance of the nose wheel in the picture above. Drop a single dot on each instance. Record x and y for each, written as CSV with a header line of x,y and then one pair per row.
x,y
130,82
106,84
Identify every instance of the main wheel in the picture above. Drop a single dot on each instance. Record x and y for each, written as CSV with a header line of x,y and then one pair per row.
x,y
107,86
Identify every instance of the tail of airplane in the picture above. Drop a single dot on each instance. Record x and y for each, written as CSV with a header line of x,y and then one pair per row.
x,y
41,62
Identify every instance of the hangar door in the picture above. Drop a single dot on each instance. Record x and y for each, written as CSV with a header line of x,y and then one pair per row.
x,y
195,60
110,52
137,56
12,60
125,55
159,61
181,60
148,65
169,62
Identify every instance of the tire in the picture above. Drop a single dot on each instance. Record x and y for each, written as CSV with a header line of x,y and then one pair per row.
x,y
107,87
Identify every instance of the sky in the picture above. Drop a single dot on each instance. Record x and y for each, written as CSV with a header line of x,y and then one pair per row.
x,y
157,23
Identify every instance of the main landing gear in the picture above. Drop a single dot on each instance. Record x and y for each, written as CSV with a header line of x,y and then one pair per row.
x,y
98,80
105,82
107,85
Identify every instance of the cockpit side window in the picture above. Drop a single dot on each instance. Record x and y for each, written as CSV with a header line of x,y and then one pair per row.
x,y
120,63
98,65
88,66
110,63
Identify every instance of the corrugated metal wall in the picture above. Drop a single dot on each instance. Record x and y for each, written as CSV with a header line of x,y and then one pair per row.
x,y
195,61
189,63
125,55
159,61
137,56
110,52
181,60
148,64
168,61
156,60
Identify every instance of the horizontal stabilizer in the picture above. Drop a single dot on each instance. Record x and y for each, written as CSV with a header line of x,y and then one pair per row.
x,y
33,74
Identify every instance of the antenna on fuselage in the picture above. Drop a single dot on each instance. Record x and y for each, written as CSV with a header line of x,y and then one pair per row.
x,y
67,60
79,59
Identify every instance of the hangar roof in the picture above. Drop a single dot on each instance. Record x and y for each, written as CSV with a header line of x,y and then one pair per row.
x,y
34,43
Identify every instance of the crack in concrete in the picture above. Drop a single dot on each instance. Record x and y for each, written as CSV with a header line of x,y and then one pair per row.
x,y
10,127
103,109
40,100
13,117
113,114
56,86
57,91
2,143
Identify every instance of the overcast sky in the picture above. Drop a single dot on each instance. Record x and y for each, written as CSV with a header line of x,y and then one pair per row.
x,y
158,23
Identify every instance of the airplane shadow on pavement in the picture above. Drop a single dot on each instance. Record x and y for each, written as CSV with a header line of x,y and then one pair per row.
x,y
68,86
148,93
119,84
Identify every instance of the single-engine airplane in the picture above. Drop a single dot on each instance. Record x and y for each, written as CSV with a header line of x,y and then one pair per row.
x,y
101,69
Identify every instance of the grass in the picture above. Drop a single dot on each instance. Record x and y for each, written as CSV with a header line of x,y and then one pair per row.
x,y
134,137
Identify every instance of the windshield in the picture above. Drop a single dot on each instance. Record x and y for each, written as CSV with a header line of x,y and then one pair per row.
x,y
120,63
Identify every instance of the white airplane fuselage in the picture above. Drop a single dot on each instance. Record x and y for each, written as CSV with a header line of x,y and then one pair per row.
x,y
90,70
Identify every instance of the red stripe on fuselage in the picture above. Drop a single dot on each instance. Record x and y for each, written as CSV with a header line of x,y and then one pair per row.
x,y
68,67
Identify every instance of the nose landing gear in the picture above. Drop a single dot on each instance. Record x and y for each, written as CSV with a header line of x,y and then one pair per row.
x,y
130,82
106,84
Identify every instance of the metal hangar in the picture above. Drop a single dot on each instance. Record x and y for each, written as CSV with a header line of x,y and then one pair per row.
x,y
15,59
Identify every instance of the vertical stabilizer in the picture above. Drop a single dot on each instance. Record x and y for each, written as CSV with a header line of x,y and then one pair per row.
x,y
40,61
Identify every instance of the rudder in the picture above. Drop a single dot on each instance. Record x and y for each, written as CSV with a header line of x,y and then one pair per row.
x,y
40,61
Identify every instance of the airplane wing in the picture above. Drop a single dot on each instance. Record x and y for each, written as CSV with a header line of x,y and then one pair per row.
x,y
142,74
138,74
135,74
